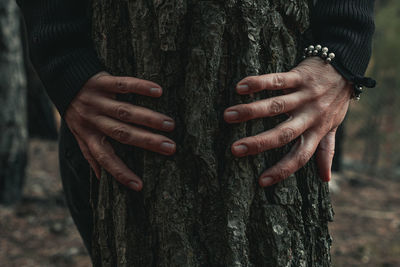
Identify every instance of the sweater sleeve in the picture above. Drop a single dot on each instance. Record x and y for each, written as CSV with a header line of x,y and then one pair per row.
x,y
61,49
346,28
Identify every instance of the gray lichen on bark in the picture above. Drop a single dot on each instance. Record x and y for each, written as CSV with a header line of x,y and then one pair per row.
x,y
202,206
13,124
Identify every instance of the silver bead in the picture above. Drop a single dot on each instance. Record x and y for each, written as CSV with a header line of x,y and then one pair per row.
x,y
310,53
318,47
331,55
306,50
304,57
357,98
328,60
325,49
315,52
311,48
324,55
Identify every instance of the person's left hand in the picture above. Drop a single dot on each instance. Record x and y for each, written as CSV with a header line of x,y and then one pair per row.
x,y
316,99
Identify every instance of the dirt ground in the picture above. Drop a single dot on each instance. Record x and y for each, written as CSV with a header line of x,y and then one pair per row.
x,y
40,232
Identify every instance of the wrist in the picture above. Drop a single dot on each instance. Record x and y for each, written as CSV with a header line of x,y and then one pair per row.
x,y
356,82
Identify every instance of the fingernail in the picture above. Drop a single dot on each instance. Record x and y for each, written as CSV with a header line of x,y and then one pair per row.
x,y
240,149
168,147
243,88
232,115
155,91
168,125
266,181
133,186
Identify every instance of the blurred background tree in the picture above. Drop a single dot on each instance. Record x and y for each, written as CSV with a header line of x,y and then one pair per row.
x,y
13,106
25,108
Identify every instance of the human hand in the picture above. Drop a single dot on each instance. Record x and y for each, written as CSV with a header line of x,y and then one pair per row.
x,y
316,99
95,113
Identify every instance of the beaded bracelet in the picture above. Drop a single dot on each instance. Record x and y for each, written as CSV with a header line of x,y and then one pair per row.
x,y
318,50
323,52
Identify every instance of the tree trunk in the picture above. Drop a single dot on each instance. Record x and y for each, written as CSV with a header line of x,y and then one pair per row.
x,y
202,206
13,127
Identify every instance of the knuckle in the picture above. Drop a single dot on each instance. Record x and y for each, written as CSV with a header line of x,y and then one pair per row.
x,y
105,143
328,150
302,158
322,107
298,75
77,113
278,81
93,118
277,106
85,98
121,134
307,74
260,144
122,112
92,146
304,123
250,110
121,84
283,173
286,135
317,88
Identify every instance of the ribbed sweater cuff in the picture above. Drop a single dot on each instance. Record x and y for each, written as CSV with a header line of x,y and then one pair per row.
x,y
65,76
357,79
346,28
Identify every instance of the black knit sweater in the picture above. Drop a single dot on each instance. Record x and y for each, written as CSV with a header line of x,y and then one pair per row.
x,y
63,54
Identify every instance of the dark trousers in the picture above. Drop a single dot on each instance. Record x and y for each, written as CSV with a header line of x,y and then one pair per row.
x,y
75,176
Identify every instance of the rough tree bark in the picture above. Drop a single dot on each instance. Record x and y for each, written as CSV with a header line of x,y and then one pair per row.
x,y
13,125
202,206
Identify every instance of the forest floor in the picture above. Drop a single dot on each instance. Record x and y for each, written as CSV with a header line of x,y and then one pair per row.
x,y
40,232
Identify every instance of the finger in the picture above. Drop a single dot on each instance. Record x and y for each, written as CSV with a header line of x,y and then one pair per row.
x,y
300,154
276,137
135,136
265,108
104,154
272,81
124,85
135,114
89,157
324,155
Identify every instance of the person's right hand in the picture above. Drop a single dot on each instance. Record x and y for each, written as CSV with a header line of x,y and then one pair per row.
x,y
95,113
